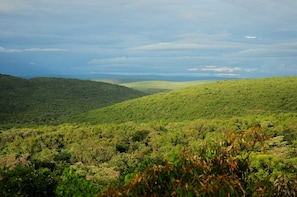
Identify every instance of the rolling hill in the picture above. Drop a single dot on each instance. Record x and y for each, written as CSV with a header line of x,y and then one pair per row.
x,y
49,100
193,139
222,99
155,86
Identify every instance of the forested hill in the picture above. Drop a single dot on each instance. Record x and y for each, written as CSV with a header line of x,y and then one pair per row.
x,y
49,100
222,99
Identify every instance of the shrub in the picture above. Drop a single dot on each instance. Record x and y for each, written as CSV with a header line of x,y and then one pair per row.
x,y
27,181
217,169
75,185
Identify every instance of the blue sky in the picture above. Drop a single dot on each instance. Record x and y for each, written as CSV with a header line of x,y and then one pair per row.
x,y
246,38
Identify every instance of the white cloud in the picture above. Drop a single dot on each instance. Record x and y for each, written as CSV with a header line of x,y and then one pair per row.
x,y
223,70
193,69
43,50
228,74
4,50
251,37
220,69
167,46
188,46
276,50
216,69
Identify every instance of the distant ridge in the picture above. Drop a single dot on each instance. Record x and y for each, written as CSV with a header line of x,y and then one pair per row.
x,y
49,100
135,77
221,99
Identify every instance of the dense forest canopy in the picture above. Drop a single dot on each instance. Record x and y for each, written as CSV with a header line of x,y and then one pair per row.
x,y
50,100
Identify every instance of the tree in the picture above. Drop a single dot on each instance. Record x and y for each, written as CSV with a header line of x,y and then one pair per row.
x,y
27,181
74,185
219,168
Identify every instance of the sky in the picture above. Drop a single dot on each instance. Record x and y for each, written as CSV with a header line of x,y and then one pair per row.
x,y
198,38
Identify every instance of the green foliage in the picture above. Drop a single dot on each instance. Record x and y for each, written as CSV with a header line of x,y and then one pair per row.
x,y
212,172
153,87
139,136
122,148
73,185
224,99
27,181
92,149
219,168
49,100
195,139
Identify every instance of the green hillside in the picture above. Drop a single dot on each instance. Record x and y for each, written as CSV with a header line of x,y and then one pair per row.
x,y
228,138
222,99
154,86
48,100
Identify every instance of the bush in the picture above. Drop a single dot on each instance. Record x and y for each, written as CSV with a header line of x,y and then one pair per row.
x,y
27,181
220,168
75,185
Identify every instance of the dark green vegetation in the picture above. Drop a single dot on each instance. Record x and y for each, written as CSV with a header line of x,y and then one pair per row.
x,y
225,138
223,99
50,100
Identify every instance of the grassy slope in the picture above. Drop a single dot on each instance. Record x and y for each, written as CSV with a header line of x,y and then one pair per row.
x,y
156,86
214,100
44,100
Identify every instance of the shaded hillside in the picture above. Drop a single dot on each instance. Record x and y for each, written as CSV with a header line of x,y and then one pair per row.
x,y
48,100
214,100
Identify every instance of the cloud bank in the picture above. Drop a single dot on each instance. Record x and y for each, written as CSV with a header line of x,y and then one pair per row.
x,y
221,37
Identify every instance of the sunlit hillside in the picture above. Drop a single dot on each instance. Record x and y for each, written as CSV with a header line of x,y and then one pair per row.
x,y
156,86
152,87
222,99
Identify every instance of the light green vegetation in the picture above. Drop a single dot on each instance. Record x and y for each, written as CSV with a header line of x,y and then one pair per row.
x,y
152,87
109,154
117,81
224,99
